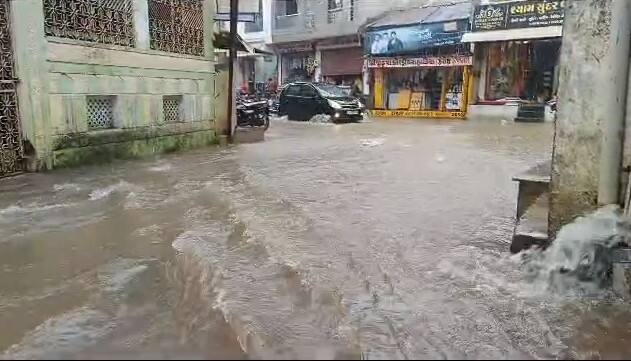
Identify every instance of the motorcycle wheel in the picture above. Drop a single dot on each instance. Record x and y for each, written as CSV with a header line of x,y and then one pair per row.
x,y
266,122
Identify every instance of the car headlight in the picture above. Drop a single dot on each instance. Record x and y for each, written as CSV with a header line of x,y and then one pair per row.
x,y
334,104
359,104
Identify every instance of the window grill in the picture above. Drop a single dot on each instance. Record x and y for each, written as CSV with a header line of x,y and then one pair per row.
x,y
171,106
100,112
101,21
177,26
11,145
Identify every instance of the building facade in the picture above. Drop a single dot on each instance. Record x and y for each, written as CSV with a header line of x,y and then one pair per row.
x,y
416,64
319,40
84,81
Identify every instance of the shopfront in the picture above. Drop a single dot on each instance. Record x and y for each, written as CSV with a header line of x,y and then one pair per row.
x,y
421,69
297,62
520,69
425,87
516,56
341,61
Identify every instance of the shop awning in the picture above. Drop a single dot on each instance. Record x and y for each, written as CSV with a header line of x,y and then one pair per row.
x,y
222,40
513,34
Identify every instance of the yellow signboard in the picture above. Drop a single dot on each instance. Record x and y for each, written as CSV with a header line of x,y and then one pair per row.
x,y
418,114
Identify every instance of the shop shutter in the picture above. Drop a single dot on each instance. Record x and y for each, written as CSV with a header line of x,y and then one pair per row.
x,y
347,61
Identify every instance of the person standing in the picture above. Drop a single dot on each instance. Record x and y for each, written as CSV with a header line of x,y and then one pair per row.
x,y
376,45
271,86
395,45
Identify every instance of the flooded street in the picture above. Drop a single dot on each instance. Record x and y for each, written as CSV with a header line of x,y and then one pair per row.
x,y
386,239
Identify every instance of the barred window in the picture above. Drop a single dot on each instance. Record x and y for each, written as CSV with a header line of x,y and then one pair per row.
x,y
177,26
100,112
335,4
286,7
172,108
257,25
101,21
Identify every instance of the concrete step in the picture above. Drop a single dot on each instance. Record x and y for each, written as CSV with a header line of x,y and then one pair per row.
x,y
530,114
531,228
530,120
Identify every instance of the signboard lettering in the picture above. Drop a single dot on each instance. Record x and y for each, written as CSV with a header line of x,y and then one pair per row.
x,y
489,17
419,114
516,15
420,62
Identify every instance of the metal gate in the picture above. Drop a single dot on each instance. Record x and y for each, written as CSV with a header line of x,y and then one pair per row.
x,y
11,146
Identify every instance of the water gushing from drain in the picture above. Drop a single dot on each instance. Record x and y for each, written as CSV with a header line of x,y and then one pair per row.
x,y
580,258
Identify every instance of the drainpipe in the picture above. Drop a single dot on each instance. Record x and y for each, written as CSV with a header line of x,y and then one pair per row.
x,y
610,108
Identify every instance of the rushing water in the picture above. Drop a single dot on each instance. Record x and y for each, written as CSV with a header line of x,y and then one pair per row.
x,y
376,240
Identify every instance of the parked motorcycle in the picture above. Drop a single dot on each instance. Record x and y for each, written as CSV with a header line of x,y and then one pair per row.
x,y
252,112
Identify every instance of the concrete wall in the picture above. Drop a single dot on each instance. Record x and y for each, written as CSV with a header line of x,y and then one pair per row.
x,y
58,74
138,79
592,94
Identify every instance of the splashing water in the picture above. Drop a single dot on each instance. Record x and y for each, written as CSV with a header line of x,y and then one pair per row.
x,y
375,142
580,258
104,192
321,118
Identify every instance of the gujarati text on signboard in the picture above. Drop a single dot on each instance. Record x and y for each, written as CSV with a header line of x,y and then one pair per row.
x,y
532,14
518,15
489,17
420,62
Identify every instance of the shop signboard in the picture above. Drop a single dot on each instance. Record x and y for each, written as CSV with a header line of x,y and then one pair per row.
x,y
407,39
294,48
518,15
419,114
420,62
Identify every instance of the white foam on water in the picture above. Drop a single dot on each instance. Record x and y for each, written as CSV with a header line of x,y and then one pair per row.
x,y
60,335
161,167
32,208
66,187
320,118
105,192
374,142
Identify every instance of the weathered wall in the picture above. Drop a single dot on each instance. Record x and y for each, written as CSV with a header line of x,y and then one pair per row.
x,y
139,80
592,93
29,47
58,74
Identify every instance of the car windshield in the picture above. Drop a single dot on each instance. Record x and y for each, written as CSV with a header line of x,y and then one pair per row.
x,y
332,91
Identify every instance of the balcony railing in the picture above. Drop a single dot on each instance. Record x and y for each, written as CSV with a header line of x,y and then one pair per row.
x,y
339,15
256,26
288,21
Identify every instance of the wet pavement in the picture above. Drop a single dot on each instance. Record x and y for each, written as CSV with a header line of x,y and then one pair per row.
x,y
386,239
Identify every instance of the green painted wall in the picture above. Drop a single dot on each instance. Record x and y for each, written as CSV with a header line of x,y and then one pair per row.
x,y
58,75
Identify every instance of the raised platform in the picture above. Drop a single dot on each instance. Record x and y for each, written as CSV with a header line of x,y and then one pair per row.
x,y
531,221
249,135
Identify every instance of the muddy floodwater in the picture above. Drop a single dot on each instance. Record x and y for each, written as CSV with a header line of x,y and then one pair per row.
x,y
385,239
